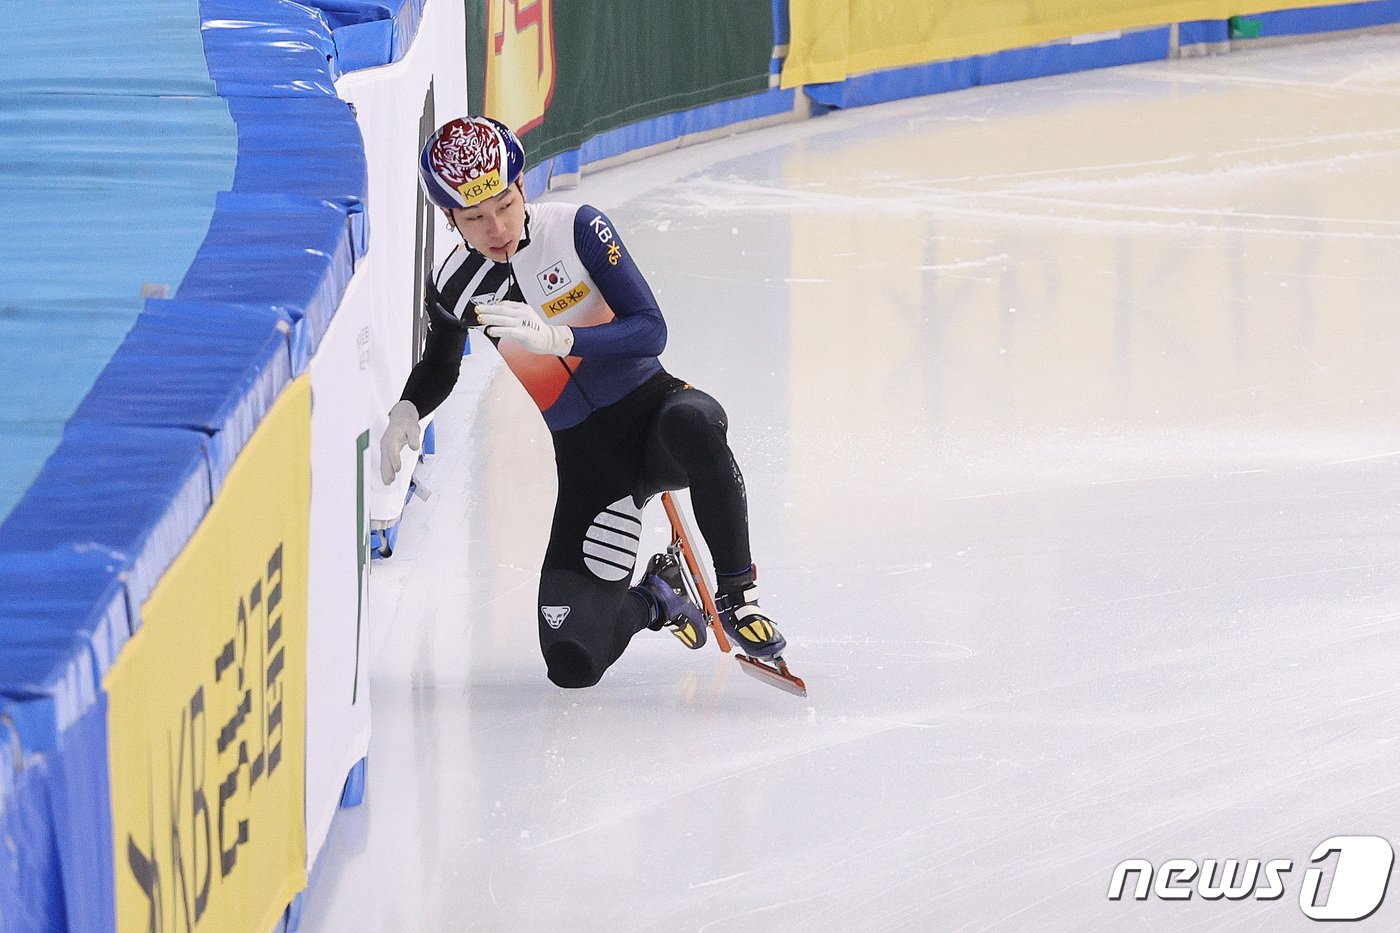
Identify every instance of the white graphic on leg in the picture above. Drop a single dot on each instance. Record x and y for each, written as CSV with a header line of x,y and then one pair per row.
x,y
555,615
611,542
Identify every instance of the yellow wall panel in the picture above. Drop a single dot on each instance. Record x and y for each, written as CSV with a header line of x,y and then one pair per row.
x,y
207,706
831,41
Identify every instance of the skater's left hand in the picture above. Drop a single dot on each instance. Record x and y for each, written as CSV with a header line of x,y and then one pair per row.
x,y
514,320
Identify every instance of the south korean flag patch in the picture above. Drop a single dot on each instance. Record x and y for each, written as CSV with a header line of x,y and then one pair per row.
x,y
554,278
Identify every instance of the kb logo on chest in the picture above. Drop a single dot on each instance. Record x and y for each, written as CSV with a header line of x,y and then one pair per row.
x,y
565,302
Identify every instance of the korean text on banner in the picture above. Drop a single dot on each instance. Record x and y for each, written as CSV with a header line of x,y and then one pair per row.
x,y
207,705
833,40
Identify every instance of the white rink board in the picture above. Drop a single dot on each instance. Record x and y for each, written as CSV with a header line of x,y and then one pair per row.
x,y
356,376
392,103
338,609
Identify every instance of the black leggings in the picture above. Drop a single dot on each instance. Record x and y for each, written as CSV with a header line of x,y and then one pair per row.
x,y
664,435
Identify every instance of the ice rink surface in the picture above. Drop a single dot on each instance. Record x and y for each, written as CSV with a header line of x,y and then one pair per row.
x,y
1068,411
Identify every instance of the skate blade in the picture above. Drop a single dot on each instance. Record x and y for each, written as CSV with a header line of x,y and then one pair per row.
x,y
775,675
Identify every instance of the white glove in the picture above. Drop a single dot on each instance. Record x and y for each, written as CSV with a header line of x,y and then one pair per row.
x,y
403,429
513,320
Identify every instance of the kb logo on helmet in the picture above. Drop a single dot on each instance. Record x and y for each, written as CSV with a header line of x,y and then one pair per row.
x,y
479,189
1359,878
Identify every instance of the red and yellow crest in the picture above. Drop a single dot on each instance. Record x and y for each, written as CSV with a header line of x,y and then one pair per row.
x,y
519,61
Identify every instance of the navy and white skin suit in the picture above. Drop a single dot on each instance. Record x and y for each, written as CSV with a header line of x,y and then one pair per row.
x,y
623,428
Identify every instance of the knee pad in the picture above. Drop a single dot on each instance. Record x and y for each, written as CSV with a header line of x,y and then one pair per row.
x,y
688,421
690,439
570,666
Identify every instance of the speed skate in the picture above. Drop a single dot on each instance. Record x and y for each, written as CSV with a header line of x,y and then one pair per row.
x,y
772,671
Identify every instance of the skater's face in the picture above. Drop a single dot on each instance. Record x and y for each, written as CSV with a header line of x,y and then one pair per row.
x,y
493,227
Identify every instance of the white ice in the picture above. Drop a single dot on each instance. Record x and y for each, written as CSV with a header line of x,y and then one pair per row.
x,y
1068,411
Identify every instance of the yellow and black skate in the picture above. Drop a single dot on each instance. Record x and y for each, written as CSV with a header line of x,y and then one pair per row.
x,y
748,626
672,607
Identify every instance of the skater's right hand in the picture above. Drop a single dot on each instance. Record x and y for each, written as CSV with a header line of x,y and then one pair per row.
x,y
515,320
403,429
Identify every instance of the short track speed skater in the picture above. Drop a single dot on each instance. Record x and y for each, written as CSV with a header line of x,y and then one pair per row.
x,y
772,671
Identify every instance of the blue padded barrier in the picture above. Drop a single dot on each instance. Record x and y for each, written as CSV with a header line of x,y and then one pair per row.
x,y
657,130
61,828
268,48
371,32
51,682
306,145
24,445
782,35
220,369
686,122
1314,20
1013,65
287,252
1203,32
63,621
80,792
13,838
362,43
137,492
31,885
353,793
